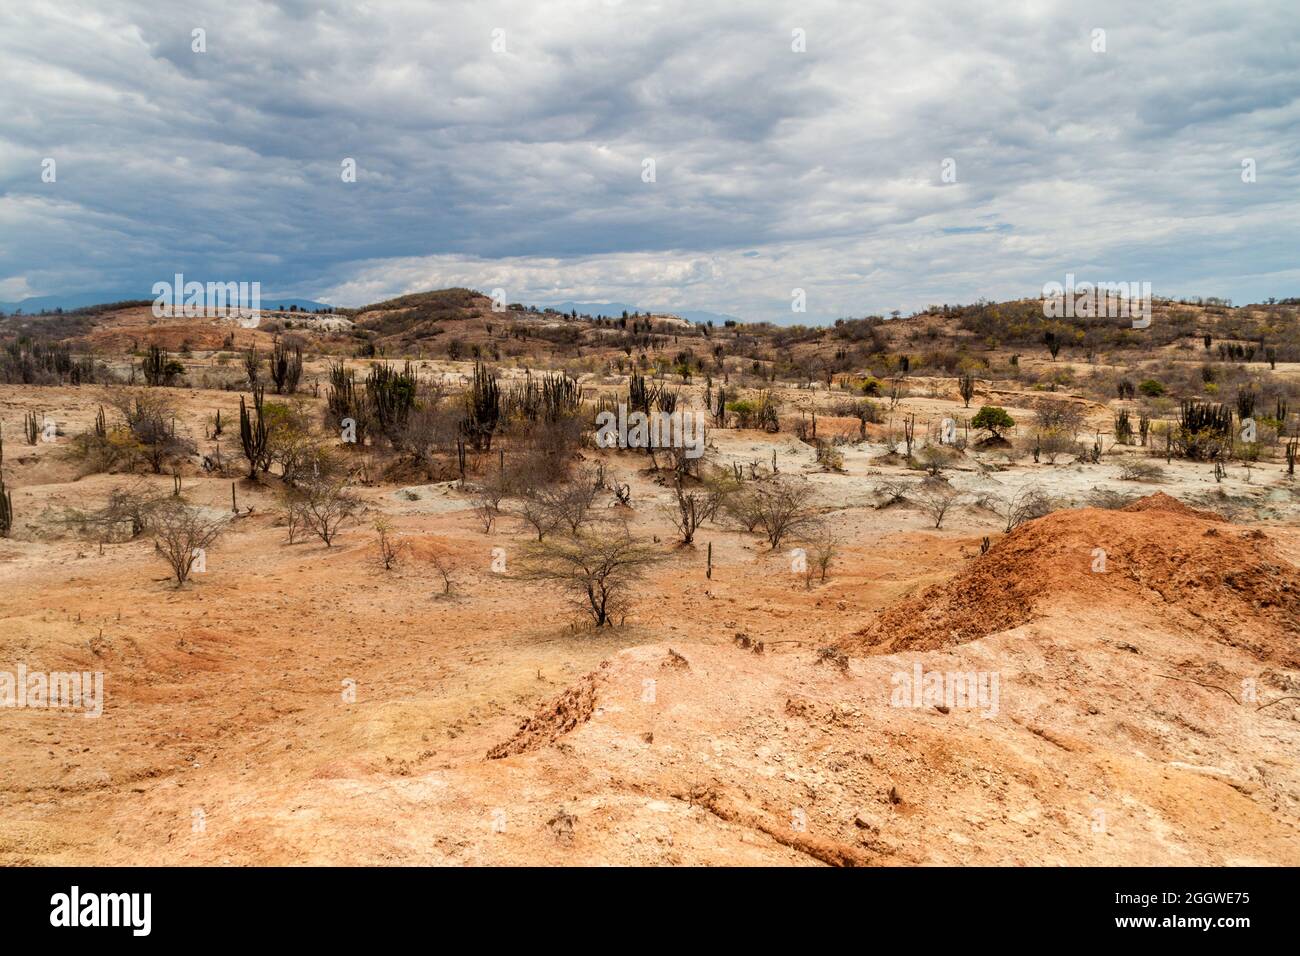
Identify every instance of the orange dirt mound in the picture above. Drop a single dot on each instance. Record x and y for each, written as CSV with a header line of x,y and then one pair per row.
x,y
1229,583
553,720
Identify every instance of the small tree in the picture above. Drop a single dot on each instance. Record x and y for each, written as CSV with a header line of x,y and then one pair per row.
x,y
487,505
993,418
823,545
327,504
936,499
597,570
693,508
783,509
571,502
181,532
150,420
536,509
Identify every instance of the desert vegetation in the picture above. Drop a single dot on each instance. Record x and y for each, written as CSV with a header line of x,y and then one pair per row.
x,y
412,497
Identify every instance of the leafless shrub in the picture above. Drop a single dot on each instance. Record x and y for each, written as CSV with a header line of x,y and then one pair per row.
x,y
694,506
536,511
1139,470
1109,498
936,499
783,508
1056,415
1030,503
933,459
822,547
327,503
891,493
741,505
828,456
181,532
443,565
130,510
572,501
487,500
389,547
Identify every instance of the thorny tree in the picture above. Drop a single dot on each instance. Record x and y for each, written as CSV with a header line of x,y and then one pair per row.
x,y
181,531
598,570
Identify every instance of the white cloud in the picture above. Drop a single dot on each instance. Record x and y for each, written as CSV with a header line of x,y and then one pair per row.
x,y
527,164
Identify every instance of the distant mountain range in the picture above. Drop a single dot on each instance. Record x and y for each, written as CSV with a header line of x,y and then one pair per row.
x,y
50,303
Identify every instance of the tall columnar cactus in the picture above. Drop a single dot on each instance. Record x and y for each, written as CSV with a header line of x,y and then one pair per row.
x,y
286,368
253,436
154,366
483,408
391,396
6,499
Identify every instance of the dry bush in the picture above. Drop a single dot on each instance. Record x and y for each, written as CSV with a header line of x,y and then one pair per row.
x,y
828,456
695,506
741,505
389,547
130,510
536,510
936,499
443,565
1057,415
1110,499
891,492
933,459
1052,444
181,530
783,508
598,570
1029,503
326,503
822,547
567,504
150,419
572,501
1141,471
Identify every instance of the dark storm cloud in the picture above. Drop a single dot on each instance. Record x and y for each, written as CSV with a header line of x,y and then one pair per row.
x,y
523,168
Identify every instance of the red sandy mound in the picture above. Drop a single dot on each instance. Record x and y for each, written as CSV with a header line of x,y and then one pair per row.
x,y
553,720
1201,573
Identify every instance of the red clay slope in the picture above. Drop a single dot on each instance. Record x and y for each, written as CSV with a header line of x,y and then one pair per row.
x,y
1202,573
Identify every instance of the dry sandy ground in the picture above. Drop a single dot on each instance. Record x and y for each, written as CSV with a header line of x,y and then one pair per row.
x,y
228,735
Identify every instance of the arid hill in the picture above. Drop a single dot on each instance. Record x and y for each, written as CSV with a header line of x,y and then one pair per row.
x,y
1225,582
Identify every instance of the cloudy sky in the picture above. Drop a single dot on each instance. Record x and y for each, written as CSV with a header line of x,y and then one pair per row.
x,y
505,145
